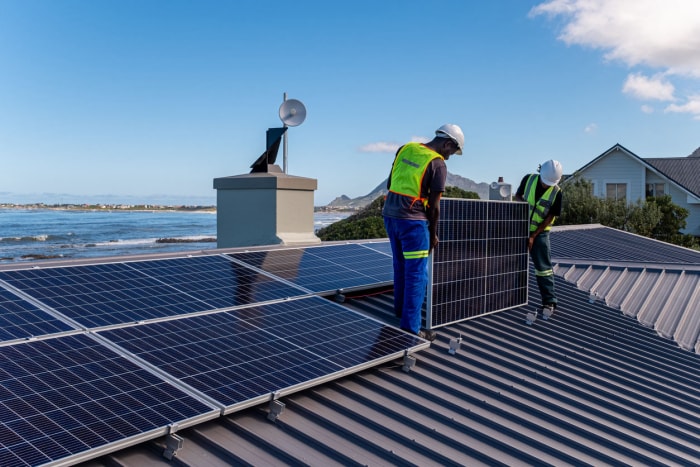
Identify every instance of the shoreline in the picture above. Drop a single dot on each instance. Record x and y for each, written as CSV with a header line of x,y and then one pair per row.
x,y
107,207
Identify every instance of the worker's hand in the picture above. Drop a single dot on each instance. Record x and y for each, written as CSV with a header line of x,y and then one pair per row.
x,y
433,242
530,241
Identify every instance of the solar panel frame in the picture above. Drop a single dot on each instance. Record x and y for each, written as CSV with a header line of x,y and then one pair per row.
x,y
69,398
324,269
247,356
481,264
21,319
113,294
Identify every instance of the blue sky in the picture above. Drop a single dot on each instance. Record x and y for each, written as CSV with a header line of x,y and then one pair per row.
x,y
148,99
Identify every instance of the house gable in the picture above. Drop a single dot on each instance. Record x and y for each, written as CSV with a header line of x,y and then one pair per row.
x,y
618,168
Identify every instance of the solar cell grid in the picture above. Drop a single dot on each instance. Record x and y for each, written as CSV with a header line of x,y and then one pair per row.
x,y
118,293
481,263
64,396
20,319
242,356
324,269
216,280
102,295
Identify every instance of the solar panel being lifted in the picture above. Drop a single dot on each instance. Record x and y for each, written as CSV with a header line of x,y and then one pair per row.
x,y
480,265
242,357
325,269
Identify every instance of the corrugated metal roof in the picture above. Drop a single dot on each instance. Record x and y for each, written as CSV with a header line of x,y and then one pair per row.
x,y
655,282
588,387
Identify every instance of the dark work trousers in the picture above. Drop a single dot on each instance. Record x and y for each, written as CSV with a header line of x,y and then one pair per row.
x,y
542,259
410,246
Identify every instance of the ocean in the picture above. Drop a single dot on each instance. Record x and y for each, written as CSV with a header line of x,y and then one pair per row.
x,y
32,234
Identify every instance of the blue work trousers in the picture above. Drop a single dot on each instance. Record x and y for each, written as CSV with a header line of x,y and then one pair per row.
x,y
410,246
542,259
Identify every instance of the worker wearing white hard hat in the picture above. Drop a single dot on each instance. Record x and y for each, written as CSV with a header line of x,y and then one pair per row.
x,y
411,212
541,191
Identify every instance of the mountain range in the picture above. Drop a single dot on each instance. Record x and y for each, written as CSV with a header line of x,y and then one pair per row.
x,y
345,202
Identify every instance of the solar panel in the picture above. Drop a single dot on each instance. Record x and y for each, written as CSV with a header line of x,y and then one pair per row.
x,y
239,358
216,280
20,319
481,263
324,269
118,293
63,398
380,246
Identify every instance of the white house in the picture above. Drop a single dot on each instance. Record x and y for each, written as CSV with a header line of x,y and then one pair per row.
x,y
621,174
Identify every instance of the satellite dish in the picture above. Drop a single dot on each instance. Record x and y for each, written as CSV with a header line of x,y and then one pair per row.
x,y
505,191
292,112
500,191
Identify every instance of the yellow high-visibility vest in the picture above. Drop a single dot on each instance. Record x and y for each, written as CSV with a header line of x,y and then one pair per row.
x,y
540,208
409,169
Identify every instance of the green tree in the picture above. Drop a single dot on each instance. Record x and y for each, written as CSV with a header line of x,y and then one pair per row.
x,y
363,225
455,192
579,205
657,218
644,217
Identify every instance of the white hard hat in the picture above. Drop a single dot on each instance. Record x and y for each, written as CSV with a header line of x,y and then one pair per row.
x,y
452,131
550,172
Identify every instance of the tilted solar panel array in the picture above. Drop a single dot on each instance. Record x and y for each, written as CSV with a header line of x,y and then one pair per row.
x,y
481,263
326,269
173,342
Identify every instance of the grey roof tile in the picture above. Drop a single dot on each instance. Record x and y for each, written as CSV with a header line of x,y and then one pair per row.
x,y
685,171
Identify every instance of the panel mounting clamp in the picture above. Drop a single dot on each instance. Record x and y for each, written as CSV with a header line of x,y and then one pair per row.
x,y
173,443
455,344
276,407
409,361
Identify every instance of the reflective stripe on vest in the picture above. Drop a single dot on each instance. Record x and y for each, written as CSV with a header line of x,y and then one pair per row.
x,y
409,169
539,208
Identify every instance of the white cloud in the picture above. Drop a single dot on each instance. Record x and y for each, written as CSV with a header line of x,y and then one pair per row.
x,y
387,147
692,106
591,128
647,109
654,88
381,146
662,36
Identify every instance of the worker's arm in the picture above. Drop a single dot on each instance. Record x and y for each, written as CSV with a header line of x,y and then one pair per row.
x,y
540,228
433,213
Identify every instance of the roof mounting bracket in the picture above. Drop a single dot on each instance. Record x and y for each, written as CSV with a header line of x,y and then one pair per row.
x,y
409,361
455,344
339,297
531,317
173,443
276,408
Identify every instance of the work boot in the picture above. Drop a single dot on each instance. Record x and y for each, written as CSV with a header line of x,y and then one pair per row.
x,y
548,310
427,334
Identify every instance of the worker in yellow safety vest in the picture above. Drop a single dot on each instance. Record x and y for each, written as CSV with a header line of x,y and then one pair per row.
x,y
543,195
411,212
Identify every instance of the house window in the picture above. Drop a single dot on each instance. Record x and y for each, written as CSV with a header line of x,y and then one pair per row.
x,y
655,189
616,190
